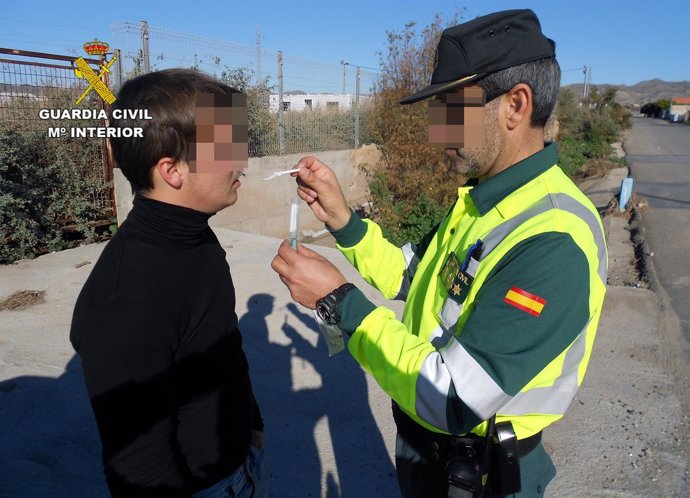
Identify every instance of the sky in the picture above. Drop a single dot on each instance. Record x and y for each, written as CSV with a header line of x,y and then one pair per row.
x,y
623,41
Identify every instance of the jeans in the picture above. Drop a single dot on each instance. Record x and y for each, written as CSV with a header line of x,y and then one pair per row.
x,y
250,480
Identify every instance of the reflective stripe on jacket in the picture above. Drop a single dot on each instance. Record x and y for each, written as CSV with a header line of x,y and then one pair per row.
x,y
519,342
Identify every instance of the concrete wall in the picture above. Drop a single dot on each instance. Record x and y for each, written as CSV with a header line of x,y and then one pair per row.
x,y
263,207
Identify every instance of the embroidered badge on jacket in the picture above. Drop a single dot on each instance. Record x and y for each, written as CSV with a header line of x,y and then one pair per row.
x,y
525,301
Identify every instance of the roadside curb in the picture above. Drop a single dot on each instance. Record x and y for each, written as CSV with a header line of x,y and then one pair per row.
x,y
618,436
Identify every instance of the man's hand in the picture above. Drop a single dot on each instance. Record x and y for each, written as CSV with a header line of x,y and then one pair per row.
x,y
308,275
319,187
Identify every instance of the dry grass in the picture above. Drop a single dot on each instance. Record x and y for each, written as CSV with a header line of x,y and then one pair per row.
x,y
636,203
597,168
22,299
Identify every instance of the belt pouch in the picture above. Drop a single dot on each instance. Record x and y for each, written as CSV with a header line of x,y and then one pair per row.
x,y
506,468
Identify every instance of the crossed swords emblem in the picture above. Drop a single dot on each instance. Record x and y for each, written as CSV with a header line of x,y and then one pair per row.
x,y
83,70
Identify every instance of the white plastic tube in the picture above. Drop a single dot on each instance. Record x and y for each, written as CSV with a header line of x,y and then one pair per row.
x,y
294,222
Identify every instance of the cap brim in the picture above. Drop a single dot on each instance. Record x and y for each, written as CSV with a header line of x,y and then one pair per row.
x,y
437,88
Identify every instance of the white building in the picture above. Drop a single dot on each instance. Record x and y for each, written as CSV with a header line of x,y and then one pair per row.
x,y
680,109
300,102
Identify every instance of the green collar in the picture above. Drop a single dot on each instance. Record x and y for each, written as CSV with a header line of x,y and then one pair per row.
x,y
492,191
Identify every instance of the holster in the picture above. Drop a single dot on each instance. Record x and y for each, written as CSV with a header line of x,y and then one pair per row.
x,y
475,466
505,469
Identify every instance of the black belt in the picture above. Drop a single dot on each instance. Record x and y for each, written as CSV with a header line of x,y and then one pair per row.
x,y
438,446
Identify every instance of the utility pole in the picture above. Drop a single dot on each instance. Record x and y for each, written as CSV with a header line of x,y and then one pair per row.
x,y
281,111
258,54
118,66
145,46
357,110
588,79
344,64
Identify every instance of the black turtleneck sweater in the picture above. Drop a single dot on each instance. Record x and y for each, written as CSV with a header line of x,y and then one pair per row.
x,y
156,329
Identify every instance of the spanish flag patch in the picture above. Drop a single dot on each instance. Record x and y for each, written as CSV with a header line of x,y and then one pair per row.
x,y
525,301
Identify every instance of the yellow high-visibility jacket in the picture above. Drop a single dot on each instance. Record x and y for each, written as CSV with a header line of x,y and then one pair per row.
x,y
503,299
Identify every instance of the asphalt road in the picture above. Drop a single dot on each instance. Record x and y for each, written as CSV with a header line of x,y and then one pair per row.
x,y
659,157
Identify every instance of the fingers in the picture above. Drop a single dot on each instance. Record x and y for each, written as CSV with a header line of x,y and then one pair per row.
x,y
280,264
311,163
307,275
315,174
306,194
287,257
305,251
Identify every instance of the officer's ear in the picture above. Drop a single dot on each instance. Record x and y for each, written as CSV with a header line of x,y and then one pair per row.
x,y
518,104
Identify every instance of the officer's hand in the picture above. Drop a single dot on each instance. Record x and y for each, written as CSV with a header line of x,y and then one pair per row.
x,y
308,275
319,187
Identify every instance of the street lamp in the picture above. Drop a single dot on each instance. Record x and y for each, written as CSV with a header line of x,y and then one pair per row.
x,y
344,63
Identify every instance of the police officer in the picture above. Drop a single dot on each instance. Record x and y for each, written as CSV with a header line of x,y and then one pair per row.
x,y
503,297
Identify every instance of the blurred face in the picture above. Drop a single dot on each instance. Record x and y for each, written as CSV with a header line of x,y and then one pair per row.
x,y
466,128
220,153
456,119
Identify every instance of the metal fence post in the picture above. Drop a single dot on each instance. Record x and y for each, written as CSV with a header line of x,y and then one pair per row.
x,y
281,111
118,67
357,110
145,46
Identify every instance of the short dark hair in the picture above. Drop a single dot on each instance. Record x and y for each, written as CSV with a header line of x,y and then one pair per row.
x,y
170,98
543,76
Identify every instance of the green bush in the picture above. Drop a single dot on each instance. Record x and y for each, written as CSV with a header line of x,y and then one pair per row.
x,y
402,219
588,129
415,185
46,185
571,151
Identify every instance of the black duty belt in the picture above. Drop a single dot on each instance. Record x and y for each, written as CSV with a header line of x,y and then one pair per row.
x,y
438,447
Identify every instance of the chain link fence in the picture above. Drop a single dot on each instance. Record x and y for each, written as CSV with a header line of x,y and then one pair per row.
x,y
54,188
295,105
31,81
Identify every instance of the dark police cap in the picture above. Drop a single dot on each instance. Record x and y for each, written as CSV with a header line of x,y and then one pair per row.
x,y
468,52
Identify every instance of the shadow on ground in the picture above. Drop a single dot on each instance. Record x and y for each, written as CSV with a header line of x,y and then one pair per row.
x,y
298,417
49,443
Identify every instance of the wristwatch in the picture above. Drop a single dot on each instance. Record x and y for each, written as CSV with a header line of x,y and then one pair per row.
x,y
327,306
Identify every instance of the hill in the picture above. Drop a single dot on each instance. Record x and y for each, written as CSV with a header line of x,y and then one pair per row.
x,y
644,91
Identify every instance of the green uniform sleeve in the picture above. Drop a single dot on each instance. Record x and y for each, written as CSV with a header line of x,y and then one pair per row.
x,y
499,349
386,266
379,262
503,345
511,344
386,349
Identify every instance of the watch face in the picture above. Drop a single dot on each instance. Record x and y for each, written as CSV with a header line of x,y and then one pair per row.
x,y
326,311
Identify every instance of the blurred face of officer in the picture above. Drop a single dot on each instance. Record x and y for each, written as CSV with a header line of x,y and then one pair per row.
x,y
466,127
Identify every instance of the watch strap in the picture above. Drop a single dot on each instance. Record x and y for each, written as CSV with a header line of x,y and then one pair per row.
x,y
342,291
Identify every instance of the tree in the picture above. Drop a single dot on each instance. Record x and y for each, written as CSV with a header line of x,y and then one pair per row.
x,y
261,122
663,104
588,130
415,186
650,109
569,112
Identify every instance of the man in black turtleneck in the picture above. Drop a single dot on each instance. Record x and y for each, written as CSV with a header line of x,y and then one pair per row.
x,y
155,324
